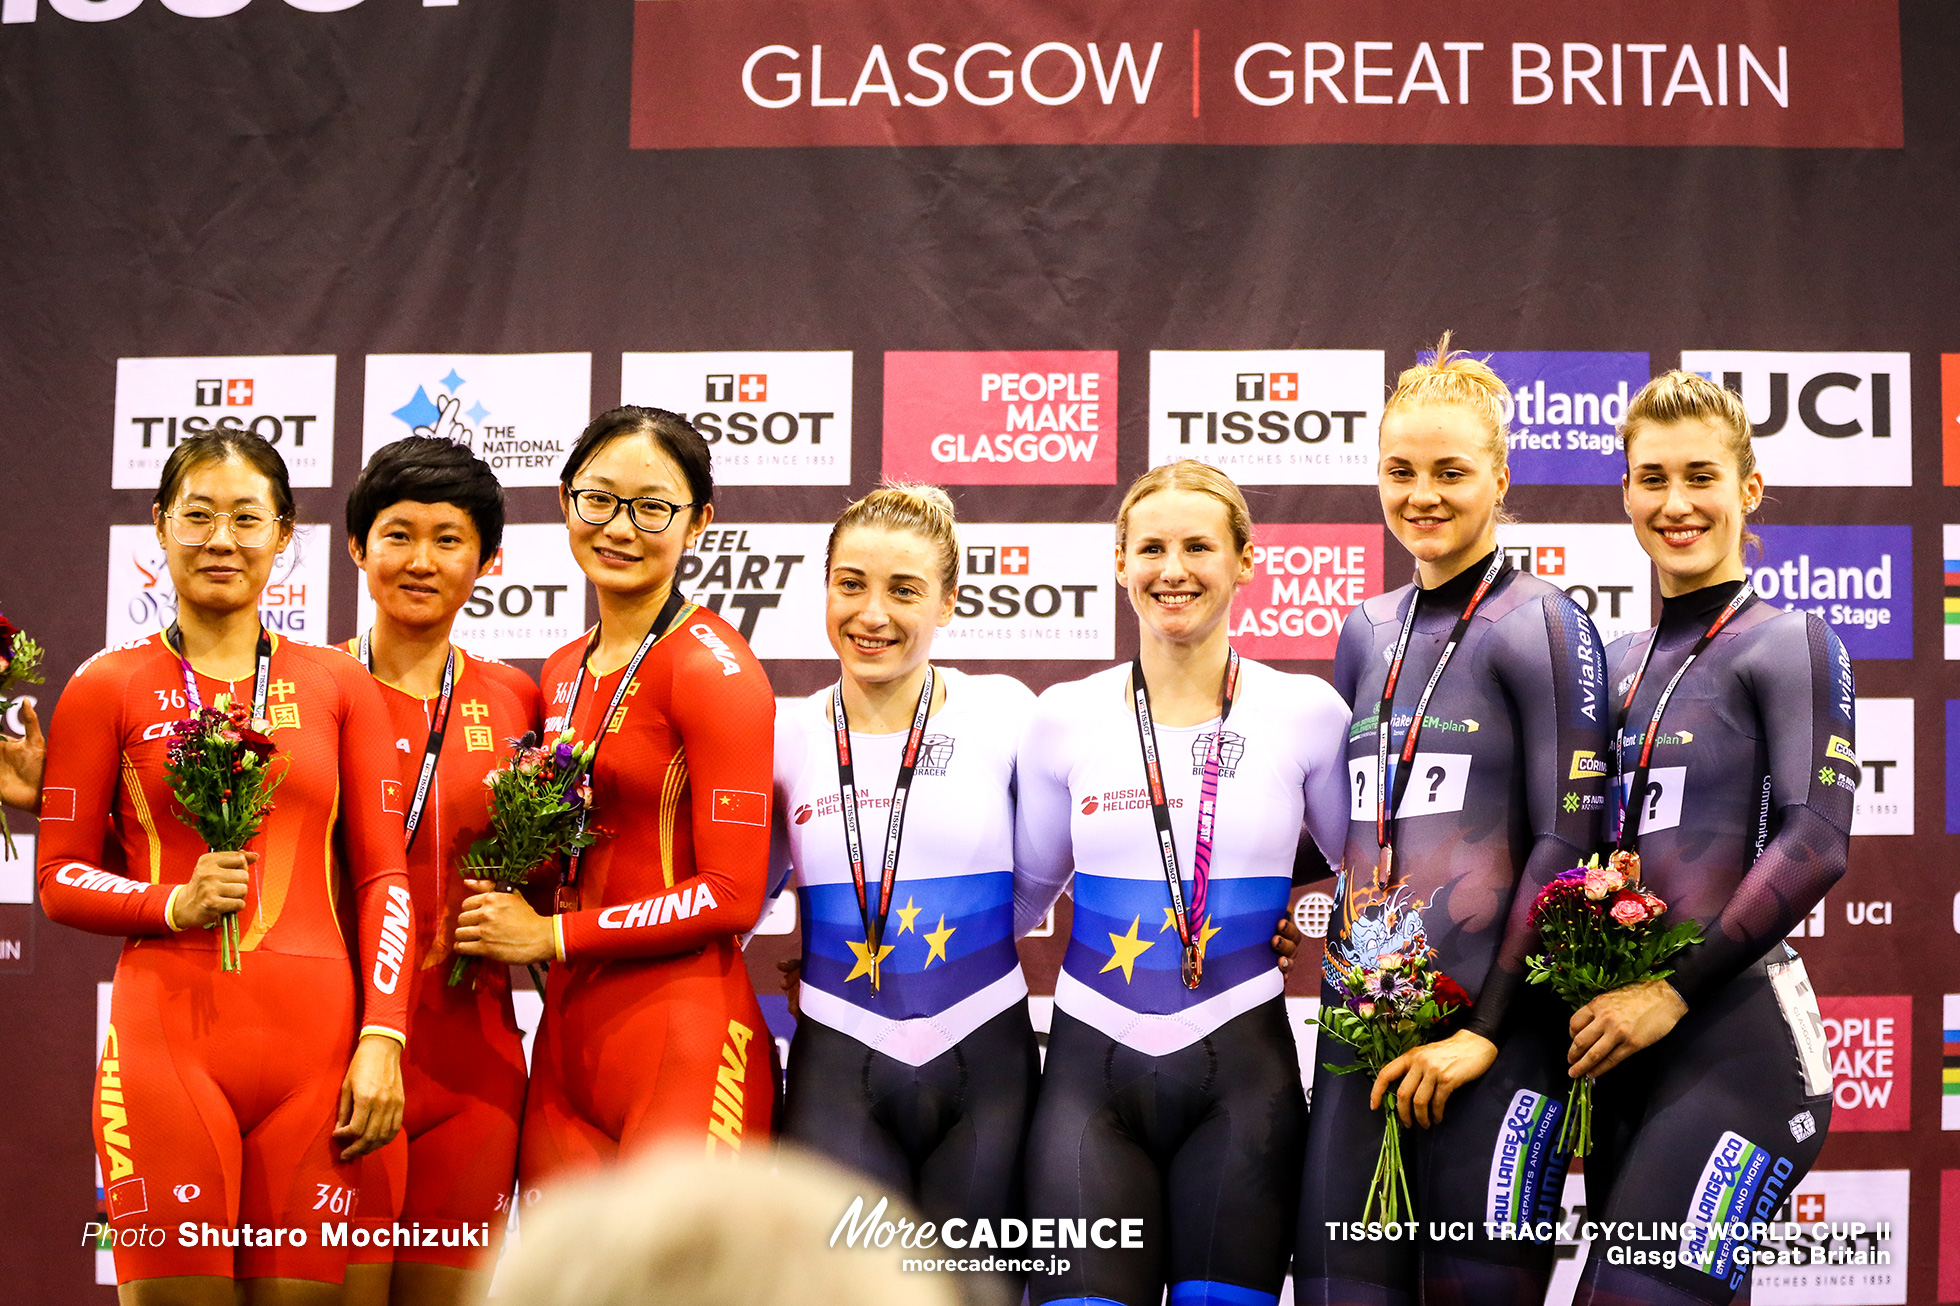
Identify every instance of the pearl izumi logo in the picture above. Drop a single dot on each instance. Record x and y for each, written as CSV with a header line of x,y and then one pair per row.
x,y
1020,418
1821,419
518,412
143,600
286,400
1857,578
1600,567
770,417
1563,409
1269,416
1033,591
528,605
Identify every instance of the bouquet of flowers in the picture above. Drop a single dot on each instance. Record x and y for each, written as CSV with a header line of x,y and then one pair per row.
x,y
538,801
20,664
1388,1009
219,764
1602,931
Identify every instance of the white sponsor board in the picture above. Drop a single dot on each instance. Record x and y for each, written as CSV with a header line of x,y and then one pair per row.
x,y
285,399
1269,416
17,870
531,604
1033,591
142,599
770,417
521,413
1601,566
766,580
1843,1267
1821,418
1885,774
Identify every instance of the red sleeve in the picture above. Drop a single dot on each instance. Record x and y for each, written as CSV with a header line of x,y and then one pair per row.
x,y
377,863
84,767
727,723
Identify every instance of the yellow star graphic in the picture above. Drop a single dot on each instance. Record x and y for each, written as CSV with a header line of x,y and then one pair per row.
x,y
1128,948
937,939
1170,920
906,915
866,963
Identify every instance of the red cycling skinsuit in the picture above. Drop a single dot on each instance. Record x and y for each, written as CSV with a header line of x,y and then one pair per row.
x,y
651,1029
447,1177
217,1093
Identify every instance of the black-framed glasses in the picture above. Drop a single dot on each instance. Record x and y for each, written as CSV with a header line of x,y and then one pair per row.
x,y
597,507
251,528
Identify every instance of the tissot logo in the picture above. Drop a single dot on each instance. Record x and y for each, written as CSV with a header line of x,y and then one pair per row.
x,y
1269,416
1599,566
528,605
1821,418
770,417
999,418
1883,766
285,400
1033,590
519,412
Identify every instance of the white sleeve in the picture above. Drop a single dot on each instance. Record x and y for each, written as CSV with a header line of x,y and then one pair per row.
x,y
1323,740
1044,855
789,766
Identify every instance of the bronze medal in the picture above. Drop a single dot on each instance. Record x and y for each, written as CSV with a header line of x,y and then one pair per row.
x,y
1194,966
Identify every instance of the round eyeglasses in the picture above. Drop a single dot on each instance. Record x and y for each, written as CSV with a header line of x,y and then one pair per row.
x,y
251,528
597,507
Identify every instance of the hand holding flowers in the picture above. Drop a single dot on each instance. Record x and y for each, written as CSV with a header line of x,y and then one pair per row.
x,y
20,760
220,767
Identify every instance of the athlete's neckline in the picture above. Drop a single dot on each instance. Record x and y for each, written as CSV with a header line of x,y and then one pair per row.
x,y
1455,591
1696,607
945,701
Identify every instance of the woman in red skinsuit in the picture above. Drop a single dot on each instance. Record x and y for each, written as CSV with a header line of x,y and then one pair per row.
x,y
423,522
238,1101
651,1030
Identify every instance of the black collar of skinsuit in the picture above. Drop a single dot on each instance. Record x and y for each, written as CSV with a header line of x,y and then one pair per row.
x,y
1696,608
1456,591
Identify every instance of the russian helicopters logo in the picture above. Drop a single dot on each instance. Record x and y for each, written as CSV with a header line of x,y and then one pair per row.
x,y
285,400
1021,418
770,417
1563,409
528,605
520,413
1599,566
1269,416
1033,591
1821,418
142,599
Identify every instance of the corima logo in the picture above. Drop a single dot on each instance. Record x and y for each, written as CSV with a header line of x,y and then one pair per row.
x,y
285,400
1269,416
1001,418
1032,591
1871,1061
1599,566
1857,578
529,604
142,599
1563,409
1821,418
519,412
1883,765
772,417
1305,581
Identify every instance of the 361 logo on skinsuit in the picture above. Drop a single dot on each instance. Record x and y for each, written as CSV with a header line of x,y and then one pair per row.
x,y
771,417
519,412
1857,578
1870,1042
1563,409
284,399
1821,418
1305,580
143,599
528,605
1032,591
1599,566
1269,416
1001,418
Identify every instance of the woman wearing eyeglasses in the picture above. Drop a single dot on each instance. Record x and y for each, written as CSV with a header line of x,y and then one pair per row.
x,y
243,1097
651,1030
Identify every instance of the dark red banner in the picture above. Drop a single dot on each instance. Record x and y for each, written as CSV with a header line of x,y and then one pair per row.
x,y
1029,72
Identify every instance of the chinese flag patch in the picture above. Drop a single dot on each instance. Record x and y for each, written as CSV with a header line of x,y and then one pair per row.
x,y
128,1198
741,807
393,797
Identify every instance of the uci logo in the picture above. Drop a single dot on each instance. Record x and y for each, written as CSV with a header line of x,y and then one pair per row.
x,y
186,1192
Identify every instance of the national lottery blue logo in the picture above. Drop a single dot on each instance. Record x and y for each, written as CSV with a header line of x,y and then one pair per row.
x,y
1857,578
1565,411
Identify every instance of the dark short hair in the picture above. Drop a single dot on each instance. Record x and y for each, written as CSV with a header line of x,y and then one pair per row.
x,y
673,434
423,469
216,445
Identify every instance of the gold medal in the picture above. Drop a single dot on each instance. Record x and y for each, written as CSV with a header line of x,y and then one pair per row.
x,y
1194,966
1385,867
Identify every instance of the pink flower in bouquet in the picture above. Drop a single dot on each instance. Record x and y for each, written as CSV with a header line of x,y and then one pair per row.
x,y
1392,961
1603,883
1365,1010
1631,908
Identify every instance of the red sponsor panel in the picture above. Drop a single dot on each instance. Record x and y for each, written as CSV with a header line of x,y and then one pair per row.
x,y
1023,417
1949,1235
1305,581
1950,417
714,73
1870,1042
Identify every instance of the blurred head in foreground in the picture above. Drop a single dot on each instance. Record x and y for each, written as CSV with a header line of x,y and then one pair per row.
x,y
675,1229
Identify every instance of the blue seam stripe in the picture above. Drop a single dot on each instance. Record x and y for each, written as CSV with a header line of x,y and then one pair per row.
x,y
1207,1292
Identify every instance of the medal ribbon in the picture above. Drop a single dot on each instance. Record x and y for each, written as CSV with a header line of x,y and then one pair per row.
x,y
432,750
874,920
1630,809
261,680
672,612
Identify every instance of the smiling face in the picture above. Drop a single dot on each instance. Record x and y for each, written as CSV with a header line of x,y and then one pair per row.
x,y
883,602
1179,564
219,577
618,557
1440,489
1689,502
421,561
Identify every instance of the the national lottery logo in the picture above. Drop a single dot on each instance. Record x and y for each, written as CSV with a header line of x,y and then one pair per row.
x,y
1599,566
285,400
1033,590
1563,409
142,599
1857,578
1306,579
1269,416
520,413
770,417
1821,418
1001,417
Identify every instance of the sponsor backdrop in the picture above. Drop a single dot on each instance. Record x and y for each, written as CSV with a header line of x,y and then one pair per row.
x,y
1024,251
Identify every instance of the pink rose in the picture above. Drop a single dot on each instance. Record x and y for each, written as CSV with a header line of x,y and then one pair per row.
x,y
1391,961
1630,909
1603,883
